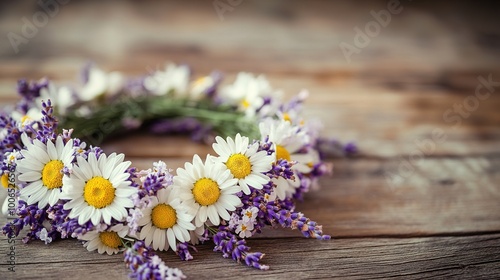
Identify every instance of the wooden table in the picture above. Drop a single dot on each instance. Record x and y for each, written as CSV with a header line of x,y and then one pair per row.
x,y
421,199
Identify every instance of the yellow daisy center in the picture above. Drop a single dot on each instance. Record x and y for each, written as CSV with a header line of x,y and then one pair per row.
x,y
110,239
5,180
243,228
245,104
163,216
51,174
282,153
200,81
206,191
25,119
99,192
286,117
249,214
239,165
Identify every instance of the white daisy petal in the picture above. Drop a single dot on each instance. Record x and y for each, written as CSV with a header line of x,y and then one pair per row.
x,y
171,239
95,216
26,165
84,167
32,199
51,150
145,231
203,213
30,176
54,197
31,188
178,233
40,153
222,212
157,238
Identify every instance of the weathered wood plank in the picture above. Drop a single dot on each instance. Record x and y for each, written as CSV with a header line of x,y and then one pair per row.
x,y
310,33
469,257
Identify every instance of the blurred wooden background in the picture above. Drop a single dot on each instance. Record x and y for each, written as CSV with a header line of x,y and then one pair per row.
x,y
390,211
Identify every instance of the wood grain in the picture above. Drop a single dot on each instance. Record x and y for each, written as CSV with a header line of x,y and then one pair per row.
x,y
468,257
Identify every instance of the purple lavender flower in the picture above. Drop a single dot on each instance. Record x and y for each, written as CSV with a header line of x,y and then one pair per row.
x,y
11,138
333,148
28,215
31,90
192,126
297,220
154,180
350,149
144,264
66,227
48,129
183,251
230,246
265,146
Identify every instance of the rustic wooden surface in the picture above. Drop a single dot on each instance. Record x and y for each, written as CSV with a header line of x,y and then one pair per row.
x,y
439,216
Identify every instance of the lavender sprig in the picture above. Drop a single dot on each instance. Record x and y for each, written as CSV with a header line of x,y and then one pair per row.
x,y
48,130
145,264
65,226
28,215
230,246
183,251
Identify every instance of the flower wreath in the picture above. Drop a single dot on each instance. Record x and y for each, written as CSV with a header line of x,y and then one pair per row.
x,y
60,185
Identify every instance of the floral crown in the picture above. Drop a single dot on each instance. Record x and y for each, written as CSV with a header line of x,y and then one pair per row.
x,y
61,185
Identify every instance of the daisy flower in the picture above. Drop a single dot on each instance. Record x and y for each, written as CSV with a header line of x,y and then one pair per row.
x,y
108,241
98,189
244,162
41,168
207,189
200,86
247,92
291,111
287,141
32,115
165,221
61,98
101,83
291,116
174,78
